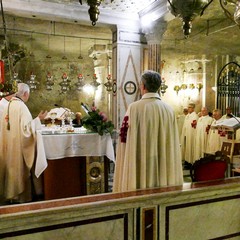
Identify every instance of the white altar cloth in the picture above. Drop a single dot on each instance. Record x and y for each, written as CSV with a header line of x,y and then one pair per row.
x,y
57,146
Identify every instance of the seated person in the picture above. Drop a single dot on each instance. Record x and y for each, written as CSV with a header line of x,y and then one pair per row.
x,y
77,120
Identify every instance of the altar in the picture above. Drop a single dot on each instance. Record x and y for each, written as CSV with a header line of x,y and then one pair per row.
x,y
73,164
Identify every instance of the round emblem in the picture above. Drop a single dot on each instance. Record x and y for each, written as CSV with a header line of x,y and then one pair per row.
x,y
130,87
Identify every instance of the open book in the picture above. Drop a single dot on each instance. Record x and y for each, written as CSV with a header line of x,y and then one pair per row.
x,y
231,124
60,113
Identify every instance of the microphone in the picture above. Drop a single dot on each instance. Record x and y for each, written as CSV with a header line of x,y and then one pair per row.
x,y
85,108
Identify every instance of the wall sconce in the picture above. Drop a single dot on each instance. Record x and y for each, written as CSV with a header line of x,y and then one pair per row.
x,y
80,82
191,86
163,87
183,86
49,82
65,84
93,10
199,86
108,84
177,88
95,83
187,11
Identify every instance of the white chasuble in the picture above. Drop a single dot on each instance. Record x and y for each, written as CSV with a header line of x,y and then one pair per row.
x,y
202,131
17,149
149,154
188,136
214,141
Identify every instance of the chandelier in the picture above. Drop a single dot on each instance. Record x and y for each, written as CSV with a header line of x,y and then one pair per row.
x,y
95,83
93,10
49,82
32,82
80,83
65,84
187,10
231,9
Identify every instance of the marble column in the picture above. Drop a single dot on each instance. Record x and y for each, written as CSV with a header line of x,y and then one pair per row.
x,y
102,55
154,36
128,59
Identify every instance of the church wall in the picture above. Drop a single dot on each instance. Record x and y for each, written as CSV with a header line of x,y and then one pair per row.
x,y
39,39
205,70
45,44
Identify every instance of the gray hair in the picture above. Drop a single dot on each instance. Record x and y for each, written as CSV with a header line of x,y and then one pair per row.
x,y
151,80
22,88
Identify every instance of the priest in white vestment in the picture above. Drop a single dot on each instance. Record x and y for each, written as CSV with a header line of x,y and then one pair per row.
x,y
180,120
4,102
189,134
17,147
148,152
228,113
215,136
202,131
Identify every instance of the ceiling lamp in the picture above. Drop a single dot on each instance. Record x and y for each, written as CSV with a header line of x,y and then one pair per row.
x,y
187,10
93,10
234,15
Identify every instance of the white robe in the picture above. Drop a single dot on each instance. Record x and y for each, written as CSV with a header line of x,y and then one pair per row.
x,y
17,149
214,141
202,131
180,122
151,156
3,104
188,136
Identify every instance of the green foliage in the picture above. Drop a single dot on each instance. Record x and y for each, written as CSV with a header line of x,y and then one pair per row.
x,y
96,121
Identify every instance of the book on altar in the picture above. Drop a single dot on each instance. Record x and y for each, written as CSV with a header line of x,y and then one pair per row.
x,y
230,124
60,113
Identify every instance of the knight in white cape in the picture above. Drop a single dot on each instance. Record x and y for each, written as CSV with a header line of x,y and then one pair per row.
x,y
148,152
202,131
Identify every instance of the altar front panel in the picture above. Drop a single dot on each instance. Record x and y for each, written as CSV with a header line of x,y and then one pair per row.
x,y
75,164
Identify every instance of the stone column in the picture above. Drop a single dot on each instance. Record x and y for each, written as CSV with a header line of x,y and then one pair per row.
x,y
101,55
154,36
128,48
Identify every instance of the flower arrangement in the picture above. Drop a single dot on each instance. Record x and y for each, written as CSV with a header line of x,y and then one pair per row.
x,y
97,121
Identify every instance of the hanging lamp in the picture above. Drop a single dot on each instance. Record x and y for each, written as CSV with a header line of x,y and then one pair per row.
x,y
187,10
93,10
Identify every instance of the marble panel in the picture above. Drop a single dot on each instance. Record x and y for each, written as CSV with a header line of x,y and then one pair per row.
x,y
208,219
